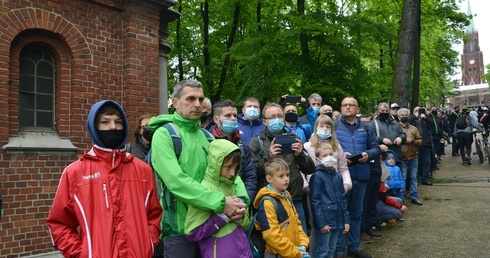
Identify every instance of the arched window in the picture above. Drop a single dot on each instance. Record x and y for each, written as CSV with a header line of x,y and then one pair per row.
x,y
36,94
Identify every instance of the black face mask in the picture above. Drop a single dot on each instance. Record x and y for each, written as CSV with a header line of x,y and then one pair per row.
x,y
111,139
456,111
383,116
147,133
434,112
204,117
404,119
291,117
329,114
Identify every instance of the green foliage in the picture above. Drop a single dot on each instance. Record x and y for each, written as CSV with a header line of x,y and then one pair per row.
x,y
298,47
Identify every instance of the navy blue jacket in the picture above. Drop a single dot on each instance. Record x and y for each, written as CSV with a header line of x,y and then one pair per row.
x,y
328,203
357,138
247,130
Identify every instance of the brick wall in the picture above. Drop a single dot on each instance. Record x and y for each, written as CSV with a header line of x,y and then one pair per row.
x,y
104,49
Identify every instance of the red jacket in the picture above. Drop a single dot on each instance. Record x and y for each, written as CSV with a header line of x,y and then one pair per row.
x,y
384,197
106,206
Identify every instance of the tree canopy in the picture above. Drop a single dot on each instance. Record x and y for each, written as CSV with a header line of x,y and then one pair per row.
x,y
268,48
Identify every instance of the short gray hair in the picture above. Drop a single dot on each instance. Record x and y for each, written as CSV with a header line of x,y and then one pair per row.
x,y
315,96
403,110
180,86
383,104
207,102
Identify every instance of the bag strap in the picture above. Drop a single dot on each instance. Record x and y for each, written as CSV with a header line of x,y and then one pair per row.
x,y
377,127
260,142
128,147
252,220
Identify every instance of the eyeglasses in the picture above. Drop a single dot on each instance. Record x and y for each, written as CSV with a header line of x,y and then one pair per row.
x,y
349,105
275,117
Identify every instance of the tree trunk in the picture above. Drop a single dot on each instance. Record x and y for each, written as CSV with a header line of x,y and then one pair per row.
x,y
208,84
180,57
303,37
416,61
404,55
226,62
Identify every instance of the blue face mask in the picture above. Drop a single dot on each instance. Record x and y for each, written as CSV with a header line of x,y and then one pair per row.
x,y
276,125
317,110
252,113
229,126
323,135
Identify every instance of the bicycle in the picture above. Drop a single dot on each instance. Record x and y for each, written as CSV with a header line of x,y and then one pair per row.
x,y
479,148
486,145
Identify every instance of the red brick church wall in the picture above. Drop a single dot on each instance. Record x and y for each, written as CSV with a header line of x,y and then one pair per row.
x,y
104,49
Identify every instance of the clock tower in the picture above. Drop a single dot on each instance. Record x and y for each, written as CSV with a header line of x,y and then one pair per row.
x,y
472,69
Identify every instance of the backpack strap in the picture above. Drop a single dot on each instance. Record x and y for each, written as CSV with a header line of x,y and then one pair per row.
x,y
206,133
259,145
176,139
128,147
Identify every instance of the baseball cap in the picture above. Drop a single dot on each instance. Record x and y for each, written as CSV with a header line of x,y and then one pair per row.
x,y
394,105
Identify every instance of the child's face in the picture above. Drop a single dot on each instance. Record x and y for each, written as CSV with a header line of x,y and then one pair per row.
x,y
324,126
279,180
391,161
109,122
228,169
325,153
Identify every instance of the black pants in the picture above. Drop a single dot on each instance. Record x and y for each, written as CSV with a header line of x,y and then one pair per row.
x,y
370,201
464,141
455,144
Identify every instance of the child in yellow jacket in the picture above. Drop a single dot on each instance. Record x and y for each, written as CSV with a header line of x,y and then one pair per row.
x,y
281,230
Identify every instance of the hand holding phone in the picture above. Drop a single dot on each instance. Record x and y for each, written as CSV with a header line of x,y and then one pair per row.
x,y
293,99
286,141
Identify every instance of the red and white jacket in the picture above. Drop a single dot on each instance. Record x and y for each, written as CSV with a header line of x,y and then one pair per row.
x,y
106,206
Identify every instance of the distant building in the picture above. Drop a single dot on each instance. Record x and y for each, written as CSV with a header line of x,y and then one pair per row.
x,y
58,58
473,88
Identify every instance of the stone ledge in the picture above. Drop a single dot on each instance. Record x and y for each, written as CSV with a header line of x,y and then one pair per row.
x,y
39,143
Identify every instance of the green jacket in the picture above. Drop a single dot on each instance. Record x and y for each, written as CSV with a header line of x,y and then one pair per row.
x,y
182,177
218,150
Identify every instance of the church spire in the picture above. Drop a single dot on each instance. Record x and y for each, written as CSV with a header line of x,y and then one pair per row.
x,y
471,28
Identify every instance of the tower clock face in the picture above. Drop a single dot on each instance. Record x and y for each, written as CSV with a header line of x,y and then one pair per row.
x,y
472,61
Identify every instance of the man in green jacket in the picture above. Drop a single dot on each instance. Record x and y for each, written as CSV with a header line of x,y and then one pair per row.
x,y
181,176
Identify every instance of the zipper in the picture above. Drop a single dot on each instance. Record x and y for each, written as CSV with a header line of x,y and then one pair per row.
x,y
113,157
104,186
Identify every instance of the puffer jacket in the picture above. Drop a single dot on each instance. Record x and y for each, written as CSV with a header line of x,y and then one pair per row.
x,y
110,197
218,237
396,181
414,139
249,130
261,154
357,138
282,231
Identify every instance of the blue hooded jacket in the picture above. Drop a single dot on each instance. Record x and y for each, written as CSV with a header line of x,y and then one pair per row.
x,y
92,117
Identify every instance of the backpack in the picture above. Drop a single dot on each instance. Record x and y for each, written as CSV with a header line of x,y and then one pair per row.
x,y
462,122
177,142
254,236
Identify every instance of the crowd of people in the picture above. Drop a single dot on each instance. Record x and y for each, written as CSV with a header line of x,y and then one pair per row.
x,y
318,185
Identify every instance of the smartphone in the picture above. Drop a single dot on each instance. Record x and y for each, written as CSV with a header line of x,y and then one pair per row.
x,y
422,111
293,99
354,159
286,141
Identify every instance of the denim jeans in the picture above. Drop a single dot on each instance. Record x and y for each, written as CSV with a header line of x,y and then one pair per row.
x,y
410,168
385,212
425,162
298,204
325,243
355,202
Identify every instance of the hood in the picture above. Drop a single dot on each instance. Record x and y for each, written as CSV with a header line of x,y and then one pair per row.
x,y
157,121
218,150
266,191
390,152
92,116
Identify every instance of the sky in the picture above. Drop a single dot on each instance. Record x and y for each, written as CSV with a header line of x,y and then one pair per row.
x,y
481,18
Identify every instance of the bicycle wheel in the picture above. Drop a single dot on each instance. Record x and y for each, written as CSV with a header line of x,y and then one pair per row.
x,y
479,150
487,148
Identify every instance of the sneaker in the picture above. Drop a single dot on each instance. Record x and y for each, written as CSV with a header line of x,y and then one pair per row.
x,y
375,234
366,239
359,253
465,163
468,162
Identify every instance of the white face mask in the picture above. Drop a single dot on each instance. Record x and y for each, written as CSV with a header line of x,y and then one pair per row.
x,y
329,162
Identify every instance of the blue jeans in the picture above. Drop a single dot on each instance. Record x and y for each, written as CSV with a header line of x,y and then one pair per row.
x,y
425,162
410,168
355,202
325,243
385,212
298,204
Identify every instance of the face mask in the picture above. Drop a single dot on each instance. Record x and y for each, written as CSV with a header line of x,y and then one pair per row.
x,y
329,162
291,117
147,133
317,110
276,125
323,134
383,116
404,119
252,113
434,112
329,114
204,117
111,139
456,111
229,126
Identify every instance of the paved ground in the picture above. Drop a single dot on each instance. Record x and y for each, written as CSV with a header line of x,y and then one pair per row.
x,y
453,222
